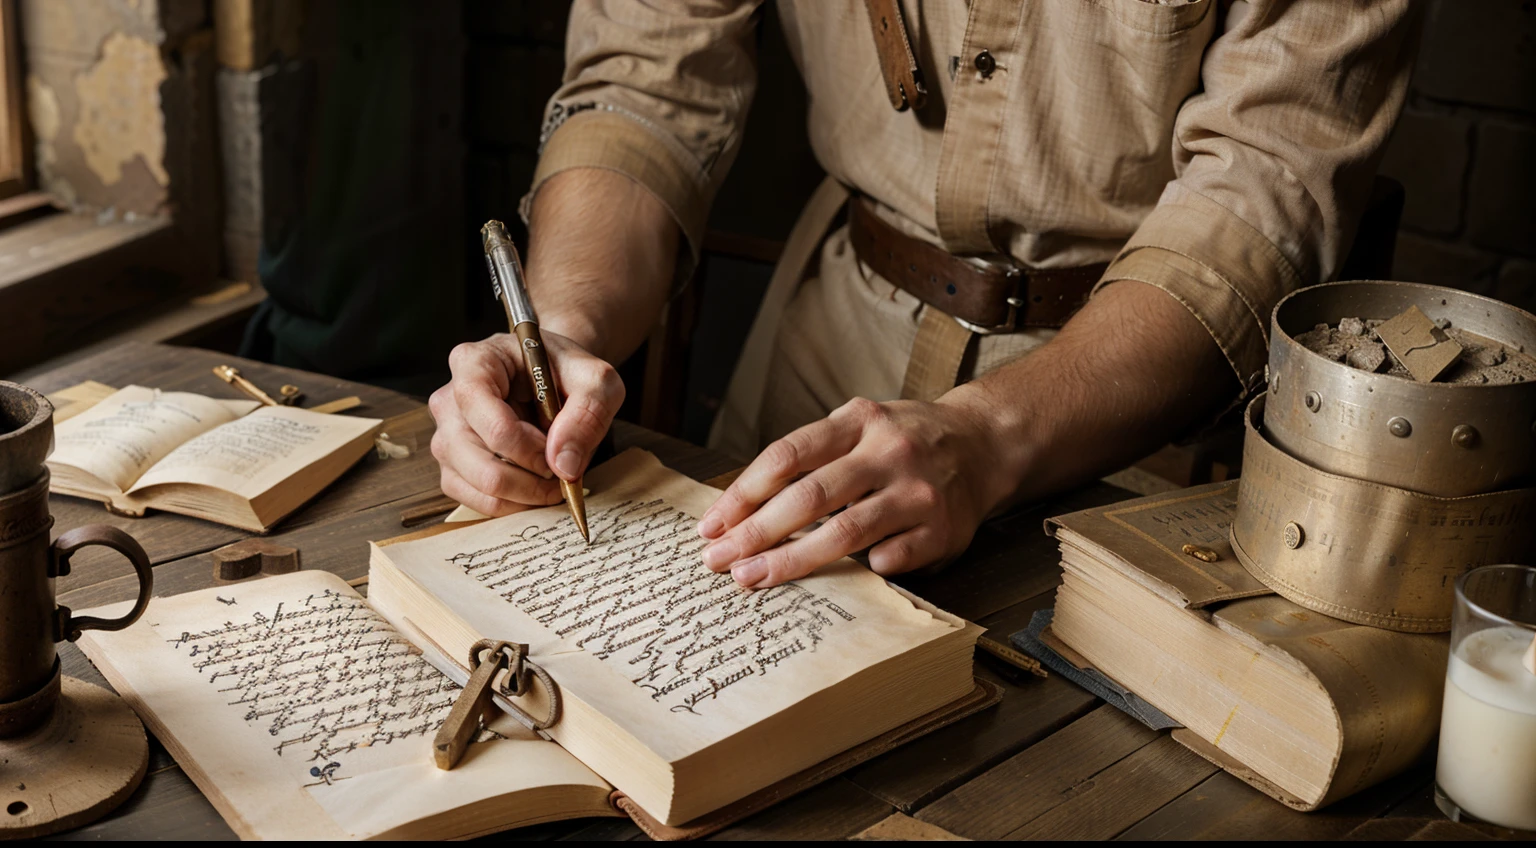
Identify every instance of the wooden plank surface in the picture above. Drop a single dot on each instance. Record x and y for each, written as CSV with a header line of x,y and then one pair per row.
x,y
915,774
1041,778
1121,795
1223,807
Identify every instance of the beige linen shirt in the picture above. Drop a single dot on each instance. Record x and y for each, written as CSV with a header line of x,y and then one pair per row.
x,y
1221,150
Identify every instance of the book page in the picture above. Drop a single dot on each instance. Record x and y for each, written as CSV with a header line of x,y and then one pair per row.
x,y
678,656
305,712
119,438
257,452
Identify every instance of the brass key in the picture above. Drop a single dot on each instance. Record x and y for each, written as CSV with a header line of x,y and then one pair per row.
x,y
231,375
473,704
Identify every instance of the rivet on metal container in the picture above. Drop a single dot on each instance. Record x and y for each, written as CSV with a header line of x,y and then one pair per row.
x,y
1294,535
1400,427
1464,436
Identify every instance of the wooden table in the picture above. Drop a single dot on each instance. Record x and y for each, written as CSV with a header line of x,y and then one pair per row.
x,y
1050,761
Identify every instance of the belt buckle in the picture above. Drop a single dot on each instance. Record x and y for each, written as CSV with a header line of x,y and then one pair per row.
x,y
1013,272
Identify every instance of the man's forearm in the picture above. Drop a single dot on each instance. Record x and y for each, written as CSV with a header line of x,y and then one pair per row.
x,y
601,258
1126,375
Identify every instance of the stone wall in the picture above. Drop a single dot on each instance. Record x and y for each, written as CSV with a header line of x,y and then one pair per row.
x,y
1465,151
120,101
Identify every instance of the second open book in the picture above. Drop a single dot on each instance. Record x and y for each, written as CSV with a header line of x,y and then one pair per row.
x,y
231,461
301,709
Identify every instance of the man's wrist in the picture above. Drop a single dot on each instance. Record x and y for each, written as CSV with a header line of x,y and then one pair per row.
x,y
576,326
1003,453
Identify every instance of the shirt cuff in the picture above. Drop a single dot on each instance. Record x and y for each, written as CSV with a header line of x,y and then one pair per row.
x,y
1225,272
614,141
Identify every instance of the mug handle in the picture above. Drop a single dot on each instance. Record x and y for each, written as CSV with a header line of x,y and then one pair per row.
x,y
67,626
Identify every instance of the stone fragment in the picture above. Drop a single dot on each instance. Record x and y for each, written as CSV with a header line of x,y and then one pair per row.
x,y
1367,357
1352,327
1488,356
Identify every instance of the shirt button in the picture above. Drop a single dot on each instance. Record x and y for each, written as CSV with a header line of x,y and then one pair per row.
x,y
985,63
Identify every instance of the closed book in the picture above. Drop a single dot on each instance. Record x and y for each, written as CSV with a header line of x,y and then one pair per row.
x,y
1308,709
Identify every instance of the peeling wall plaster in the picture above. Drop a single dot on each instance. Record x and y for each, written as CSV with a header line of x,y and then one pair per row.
x,y
120,114
44,112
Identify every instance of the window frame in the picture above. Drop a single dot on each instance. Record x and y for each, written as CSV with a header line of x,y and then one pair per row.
x,y
15,151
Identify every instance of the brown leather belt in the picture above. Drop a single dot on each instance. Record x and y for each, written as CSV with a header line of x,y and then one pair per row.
x,y
990,298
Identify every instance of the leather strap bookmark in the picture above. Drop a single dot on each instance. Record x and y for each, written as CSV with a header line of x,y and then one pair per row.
x,y
903,78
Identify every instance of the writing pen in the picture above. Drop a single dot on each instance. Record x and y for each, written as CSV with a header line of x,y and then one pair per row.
x,y
507,283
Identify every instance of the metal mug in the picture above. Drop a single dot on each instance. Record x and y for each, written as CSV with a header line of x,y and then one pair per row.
x,y
31,621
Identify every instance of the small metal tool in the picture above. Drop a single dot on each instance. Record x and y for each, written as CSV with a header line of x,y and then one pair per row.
x,y
231,375
469,709
487,661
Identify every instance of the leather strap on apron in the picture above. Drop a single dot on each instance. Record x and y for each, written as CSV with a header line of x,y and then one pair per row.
x,y
735,432
933,367
898,65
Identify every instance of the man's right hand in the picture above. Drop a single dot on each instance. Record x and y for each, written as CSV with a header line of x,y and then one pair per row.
x,y
601,254
494,458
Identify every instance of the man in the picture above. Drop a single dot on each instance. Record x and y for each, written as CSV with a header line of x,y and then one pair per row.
x,y
1215,154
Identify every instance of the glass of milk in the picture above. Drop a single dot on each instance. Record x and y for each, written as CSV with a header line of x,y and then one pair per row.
x,y
1487,765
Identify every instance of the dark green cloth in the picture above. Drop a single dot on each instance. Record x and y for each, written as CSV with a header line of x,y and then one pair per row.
x,y
366,282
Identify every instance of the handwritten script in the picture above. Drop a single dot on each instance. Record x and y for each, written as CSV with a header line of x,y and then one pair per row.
x,y
243,447
324,677
639,599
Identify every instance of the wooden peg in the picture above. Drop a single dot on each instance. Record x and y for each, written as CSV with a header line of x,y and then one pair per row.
x,y
338,405
251,557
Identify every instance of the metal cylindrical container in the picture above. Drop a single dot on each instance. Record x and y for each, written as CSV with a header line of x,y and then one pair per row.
x,y
1436,438
1376,555
26,592
30,620
28,673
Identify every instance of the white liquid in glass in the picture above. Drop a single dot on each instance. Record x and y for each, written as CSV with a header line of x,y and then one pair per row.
x,y
1487,759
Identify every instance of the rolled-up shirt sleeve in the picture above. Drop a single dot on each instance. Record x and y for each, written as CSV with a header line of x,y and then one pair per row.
x,y
657,91
1274,160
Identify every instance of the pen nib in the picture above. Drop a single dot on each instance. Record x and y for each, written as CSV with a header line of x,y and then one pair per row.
x,y
577,502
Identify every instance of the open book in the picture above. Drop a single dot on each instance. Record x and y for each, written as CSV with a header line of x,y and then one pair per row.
x,y
302,714
304,711
234,462
682,689
1308,709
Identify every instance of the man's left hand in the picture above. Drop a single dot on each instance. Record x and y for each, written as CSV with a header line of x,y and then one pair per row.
x,y
914,480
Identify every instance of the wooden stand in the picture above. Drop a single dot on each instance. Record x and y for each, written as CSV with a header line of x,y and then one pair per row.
x,y
86,760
